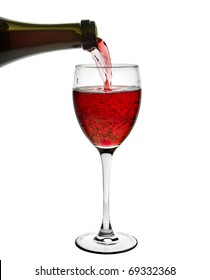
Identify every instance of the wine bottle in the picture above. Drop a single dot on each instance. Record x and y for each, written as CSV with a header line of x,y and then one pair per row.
x,y
18,39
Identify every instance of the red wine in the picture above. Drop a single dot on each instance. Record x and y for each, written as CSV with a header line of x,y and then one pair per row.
x,y
107,117
101,56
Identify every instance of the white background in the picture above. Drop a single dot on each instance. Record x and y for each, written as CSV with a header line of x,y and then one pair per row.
x,y
50,174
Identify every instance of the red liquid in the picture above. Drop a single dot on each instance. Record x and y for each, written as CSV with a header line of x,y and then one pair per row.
x,y
107,117
102,59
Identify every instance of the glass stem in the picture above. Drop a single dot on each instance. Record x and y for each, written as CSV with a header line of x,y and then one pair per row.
x,y
106,159
106,228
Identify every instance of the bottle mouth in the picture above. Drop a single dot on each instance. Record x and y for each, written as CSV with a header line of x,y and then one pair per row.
x,y
89,33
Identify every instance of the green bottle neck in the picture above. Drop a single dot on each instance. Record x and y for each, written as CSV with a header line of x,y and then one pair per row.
x,y
19,39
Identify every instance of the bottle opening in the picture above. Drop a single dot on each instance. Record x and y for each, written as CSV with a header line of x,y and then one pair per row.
x,y
89,33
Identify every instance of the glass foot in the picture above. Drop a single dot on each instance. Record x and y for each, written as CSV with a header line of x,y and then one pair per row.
x,y
119,243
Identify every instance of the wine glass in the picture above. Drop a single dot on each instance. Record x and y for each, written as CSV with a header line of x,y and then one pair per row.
x,y
106,116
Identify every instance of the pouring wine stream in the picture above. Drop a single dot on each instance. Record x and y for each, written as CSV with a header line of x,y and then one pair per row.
x,y
102,59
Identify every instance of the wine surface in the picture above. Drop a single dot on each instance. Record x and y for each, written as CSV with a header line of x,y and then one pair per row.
x,y
107,117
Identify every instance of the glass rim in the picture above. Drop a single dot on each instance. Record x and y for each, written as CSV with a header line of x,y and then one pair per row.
x,y
114,65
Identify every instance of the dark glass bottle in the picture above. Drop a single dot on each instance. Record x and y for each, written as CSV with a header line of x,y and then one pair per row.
x,y
19,39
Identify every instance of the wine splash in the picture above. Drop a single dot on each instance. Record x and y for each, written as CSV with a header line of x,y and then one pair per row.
x,y
102,59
